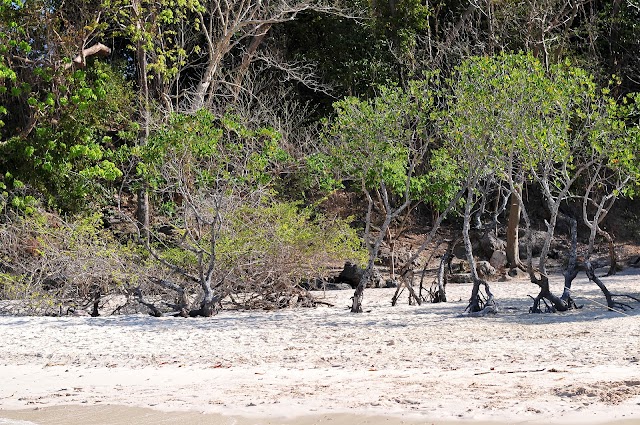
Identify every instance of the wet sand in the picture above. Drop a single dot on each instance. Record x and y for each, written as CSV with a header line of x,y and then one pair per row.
x,y
122,415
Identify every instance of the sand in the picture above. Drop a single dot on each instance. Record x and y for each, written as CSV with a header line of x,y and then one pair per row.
x,y
403,364
120,415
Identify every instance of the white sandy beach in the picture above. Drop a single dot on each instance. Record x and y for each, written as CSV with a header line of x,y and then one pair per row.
x,y
417,364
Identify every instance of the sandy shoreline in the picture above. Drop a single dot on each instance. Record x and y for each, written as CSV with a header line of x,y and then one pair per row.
x,y
121,415
413,363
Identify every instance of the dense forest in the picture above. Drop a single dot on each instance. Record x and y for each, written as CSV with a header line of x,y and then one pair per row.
x,y
180,154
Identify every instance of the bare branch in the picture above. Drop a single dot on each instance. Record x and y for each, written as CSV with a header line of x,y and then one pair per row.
x,y
80,61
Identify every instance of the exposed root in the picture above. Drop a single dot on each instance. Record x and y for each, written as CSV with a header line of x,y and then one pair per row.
x,y
617,305
482,305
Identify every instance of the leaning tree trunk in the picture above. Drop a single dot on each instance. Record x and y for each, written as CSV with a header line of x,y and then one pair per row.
x,y
557,304
356,305
406,270
612,304
613,258
390,215
142,208
545,294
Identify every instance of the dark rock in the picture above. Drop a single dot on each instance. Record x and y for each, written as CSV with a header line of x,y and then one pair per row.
x,y
516,273
398,257
489,243
459,252
51,283
498,260
485,269
554,254
536,238
460,278
390,283
313,284
352,274
166,230
556,248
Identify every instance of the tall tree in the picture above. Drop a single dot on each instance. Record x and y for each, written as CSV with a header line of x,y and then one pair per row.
x,y
231,34
379,145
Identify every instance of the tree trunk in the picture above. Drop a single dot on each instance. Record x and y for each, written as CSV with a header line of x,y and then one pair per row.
x,y
440,295
390,215
96,293
242,69
199,100
142,211
208,303
476,304
613,258
557,304
572,267
611,303
512,250
356,305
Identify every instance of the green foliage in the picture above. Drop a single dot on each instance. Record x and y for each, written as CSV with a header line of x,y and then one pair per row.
x,y
494,107
439,183
50,262
508,103
218,175
65,157
180,257
402,21
158,27
58,117
285,237
387,140
618,141
211,153
366,139
510,114
32,300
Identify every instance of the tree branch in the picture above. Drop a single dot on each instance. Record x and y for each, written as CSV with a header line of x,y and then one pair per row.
x,y
80,61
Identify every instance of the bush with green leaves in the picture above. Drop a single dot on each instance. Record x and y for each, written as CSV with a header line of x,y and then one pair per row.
x,y
230,234
52,266
515,120
390,139
64,158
